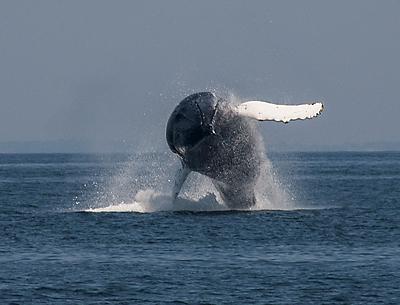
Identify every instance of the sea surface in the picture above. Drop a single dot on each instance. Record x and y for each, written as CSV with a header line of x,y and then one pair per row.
x,y
101,229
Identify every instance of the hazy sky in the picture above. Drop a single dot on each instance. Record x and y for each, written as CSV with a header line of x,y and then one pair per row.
x,y
101,71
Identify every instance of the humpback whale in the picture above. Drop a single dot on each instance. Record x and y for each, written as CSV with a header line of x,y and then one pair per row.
x,y
215,138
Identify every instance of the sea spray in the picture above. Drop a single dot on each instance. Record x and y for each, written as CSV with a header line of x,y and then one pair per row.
x,y
144,184
271,193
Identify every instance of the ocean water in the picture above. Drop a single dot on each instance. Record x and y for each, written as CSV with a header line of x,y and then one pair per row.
x,y
100,229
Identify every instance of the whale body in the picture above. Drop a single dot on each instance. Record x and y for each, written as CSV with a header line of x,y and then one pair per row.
x,y
211,139
215,138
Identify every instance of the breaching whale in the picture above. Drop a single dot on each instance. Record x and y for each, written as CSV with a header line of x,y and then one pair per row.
x,y
215,138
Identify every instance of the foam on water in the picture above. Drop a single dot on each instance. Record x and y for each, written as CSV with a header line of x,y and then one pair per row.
x,y
148,201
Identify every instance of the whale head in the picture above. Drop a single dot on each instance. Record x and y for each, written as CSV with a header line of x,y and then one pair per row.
x,y
191,121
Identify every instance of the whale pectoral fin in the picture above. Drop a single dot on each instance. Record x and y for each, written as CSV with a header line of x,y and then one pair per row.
x,y
180,178
264,111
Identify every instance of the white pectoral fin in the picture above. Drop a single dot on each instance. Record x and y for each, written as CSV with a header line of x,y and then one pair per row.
x,y
180,178
264,111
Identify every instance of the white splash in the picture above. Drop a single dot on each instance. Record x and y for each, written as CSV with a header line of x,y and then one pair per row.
x,y
144,185
270,192
148,201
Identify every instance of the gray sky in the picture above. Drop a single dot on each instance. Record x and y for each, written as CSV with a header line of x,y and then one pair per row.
x,y
112,71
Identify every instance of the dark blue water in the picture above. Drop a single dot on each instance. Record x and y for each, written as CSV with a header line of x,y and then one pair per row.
x,y
347,252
